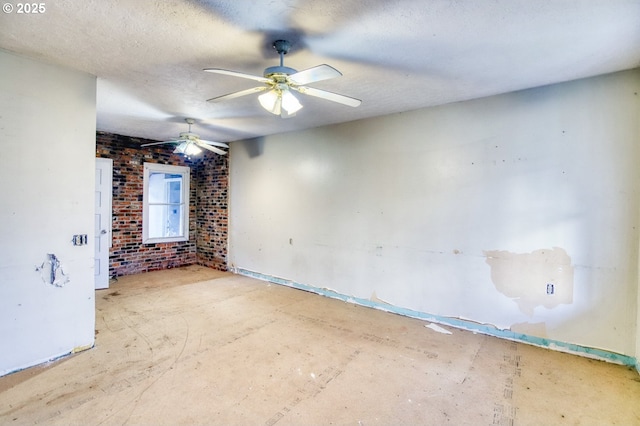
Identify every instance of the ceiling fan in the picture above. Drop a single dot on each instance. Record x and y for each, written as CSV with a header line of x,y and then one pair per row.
x,y
280,81
190,144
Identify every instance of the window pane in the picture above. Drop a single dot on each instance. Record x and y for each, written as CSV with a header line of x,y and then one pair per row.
x,y
165,203
174,187
165,188
165,221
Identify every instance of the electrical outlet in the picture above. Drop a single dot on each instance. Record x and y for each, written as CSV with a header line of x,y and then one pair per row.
x,y
550,288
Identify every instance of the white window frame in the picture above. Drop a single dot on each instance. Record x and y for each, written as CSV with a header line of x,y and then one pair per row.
x,y
185,173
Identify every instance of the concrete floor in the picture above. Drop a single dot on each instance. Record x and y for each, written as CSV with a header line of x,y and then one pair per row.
x,y
198,346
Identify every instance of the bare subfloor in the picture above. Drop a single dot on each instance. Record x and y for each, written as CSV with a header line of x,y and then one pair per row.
x,y
197,346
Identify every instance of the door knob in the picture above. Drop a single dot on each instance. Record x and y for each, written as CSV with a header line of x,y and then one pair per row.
x,y
104,231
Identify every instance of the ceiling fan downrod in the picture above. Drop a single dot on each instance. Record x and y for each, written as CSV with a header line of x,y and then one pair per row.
x,y
189,121
282,47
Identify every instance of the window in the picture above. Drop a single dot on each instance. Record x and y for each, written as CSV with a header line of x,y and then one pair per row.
x,y
165,211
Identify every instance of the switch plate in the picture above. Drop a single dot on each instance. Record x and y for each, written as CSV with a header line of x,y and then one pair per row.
x,y
79,239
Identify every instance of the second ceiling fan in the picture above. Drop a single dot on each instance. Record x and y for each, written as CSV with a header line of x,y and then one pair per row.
x,y
280,81
190,144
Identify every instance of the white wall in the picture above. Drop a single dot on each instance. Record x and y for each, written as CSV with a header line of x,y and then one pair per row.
x,y
47,169
465,211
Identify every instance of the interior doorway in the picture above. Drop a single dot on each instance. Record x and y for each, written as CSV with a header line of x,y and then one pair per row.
x,y
104,193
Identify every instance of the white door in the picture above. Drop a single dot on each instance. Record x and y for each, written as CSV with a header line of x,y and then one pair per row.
x,y
104,176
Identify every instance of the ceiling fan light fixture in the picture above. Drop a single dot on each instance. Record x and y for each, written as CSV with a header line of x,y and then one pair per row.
x,y
180,148
187,148
192,149
271,101
290,103
275,101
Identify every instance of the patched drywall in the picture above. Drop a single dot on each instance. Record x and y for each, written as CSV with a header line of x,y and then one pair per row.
x,y
406,207
541,278
47,133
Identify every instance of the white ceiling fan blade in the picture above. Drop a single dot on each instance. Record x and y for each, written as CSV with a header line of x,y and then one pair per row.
x,y
330,96
238,94
220,144
159,143
311,75
238,74
211,148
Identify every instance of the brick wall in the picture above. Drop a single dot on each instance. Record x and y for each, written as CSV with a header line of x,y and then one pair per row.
x,y
212,179
207,229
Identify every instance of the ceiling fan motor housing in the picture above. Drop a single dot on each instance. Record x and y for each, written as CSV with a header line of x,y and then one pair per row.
x,y
189,136
282,46
271,71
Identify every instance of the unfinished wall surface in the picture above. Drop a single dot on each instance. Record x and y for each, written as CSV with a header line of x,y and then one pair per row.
x,y
207,214
47,133
518,212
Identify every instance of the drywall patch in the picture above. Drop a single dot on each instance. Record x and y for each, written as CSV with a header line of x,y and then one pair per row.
x,y
541,278
51,271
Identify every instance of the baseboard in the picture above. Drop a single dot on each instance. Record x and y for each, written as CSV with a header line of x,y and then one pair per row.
x,y
48,360
490,330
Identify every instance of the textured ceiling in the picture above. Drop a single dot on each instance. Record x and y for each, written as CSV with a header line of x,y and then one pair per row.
x,y
395,56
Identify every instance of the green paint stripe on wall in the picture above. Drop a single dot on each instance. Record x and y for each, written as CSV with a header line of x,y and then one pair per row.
x,y
455,322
